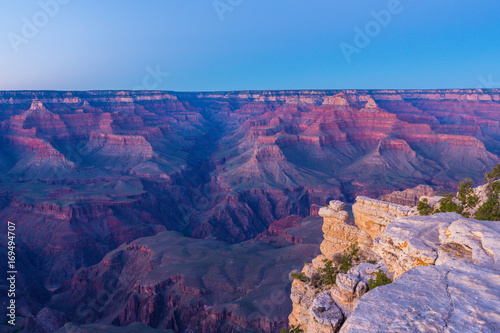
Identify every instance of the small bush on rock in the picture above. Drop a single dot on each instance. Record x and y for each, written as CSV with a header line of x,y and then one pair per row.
x,y
292,329
299,276
380,280
328,273
341,263
490,210
316,280
423,207
466,196
447,205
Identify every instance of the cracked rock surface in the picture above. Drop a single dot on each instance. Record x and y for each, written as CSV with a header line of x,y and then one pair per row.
x,y
437,239
448,278
453,297
326,312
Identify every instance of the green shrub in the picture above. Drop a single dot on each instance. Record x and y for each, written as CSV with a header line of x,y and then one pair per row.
x,y
492,176
328,273
292,329
423,207
489,211
447,205
348,258
316,280
466,196
380,280
341,263
299,276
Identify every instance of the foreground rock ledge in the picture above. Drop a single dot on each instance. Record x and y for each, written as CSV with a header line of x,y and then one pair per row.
x,y
446,271
453,297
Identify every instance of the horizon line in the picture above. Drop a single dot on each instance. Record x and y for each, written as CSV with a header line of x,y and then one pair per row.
x,y
243,90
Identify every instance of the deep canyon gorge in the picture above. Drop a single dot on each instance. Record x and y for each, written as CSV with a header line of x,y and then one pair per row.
x,y
187,211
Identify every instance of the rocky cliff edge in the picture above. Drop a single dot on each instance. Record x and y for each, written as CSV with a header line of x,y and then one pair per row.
x,y
445,272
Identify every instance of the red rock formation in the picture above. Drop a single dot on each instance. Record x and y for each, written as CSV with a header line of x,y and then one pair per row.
x,y
169,281
94,169
409,197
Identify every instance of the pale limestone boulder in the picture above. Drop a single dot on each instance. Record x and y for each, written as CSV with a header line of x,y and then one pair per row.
x,y
325,314
336,205
412,241
327,212
347,282
302,296
455,297
480,238
350,287
361,289
437,239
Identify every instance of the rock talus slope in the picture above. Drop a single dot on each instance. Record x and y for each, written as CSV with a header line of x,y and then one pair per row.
x,y
168,281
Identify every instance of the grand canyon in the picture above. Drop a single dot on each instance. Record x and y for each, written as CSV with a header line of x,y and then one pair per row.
x,y
153,211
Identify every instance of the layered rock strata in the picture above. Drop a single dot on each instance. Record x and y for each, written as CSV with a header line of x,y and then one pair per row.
x,y
324,309
338,235
374,215
409,197
83,172
445,270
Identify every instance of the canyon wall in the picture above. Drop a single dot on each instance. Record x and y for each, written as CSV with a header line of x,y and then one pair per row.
x,y
83,172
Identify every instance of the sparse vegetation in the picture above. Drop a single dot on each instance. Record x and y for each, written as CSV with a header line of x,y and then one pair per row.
x,y
341,263
328,273
292,329
423,207
447,205
490,210
380,280
468,200
299,276
466,197
316,280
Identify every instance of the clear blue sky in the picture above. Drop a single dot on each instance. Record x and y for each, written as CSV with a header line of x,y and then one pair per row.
x,y
259,44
